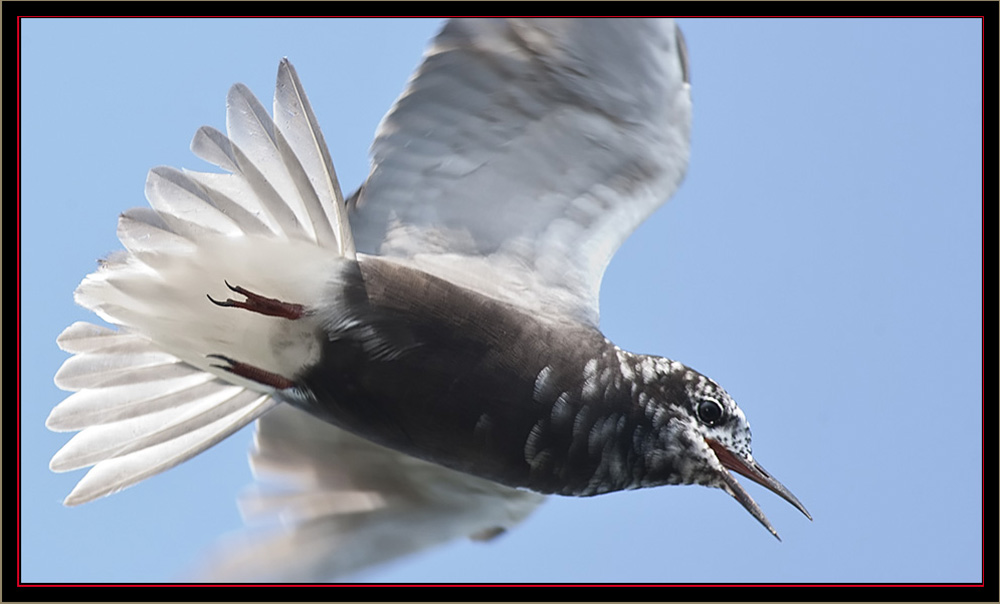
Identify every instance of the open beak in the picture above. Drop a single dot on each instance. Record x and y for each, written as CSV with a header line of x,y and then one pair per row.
x,y
752,470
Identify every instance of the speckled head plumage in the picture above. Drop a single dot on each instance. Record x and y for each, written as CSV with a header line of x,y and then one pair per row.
x,y
703,435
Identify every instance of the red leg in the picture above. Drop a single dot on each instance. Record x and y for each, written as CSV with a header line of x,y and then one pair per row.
x,y
261,305
252,373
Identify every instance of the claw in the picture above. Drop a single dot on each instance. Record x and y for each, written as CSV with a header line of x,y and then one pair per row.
x,y
257,303
252,373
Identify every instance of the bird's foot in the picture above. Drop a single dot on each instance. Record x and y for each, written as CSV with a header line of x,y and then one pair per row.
x,y
252,373
260,304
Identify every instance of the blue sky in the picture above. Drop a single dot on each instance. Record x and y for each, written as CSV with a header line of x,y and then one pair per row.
x,y
822,261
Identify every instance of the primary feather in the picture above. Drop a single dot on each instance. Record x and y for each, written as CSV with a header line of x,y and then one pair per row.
x,y
523,152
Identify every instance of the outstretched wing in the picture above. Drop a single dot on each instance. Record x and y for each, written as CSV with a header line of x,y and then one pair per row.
x,y
523,152
329,503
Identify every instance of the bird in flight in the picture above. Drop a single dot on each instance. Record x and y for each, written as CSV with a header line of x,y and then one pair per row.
x,y
423,359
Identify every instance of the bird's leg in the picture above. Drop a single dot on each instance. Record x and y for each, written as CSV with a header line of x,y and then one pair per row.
x,y
252,373
265,306
260,304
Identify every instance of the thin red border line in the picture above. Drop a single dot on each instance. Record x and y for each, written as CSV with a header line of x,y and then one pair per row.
x,y
706,585
18,412
459,585
982,300
982,19
657,16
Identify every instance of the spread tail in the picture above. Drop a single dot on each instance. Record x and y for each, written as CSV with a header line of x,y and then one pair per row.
x,y
152,393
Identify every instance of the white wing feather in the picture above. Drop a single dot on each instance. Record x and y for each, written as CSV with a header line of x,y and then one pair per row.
x,y
329,503
523,152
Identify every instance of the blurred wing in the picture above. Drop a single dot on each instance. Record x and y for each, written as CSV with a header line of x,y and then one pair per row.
x,y
523,152
332,503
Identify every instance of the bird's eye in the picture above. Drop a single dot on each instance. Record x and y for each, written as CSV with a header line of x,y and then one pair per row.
x,y
710,412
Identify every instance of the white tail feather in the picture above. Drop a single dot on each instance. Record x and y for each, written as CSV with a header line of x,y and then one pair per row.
x,y
295,119
117,473
147,396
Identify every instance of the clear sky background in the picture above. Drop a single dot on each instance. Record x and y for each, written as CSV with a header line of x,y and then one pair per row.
x,y
822,261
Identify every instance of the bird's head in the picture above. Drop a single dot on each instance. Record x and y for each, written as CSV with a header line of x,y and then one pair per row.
x,y
706,435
